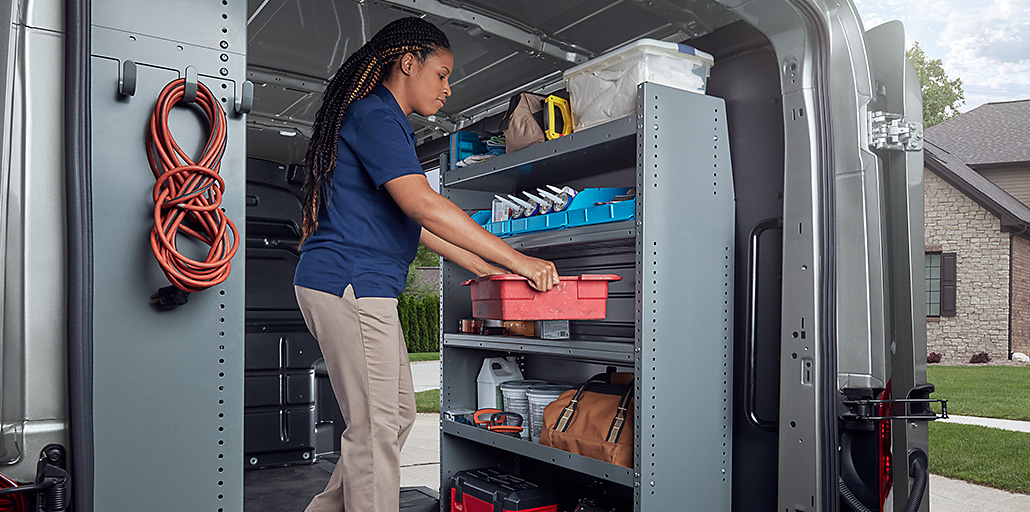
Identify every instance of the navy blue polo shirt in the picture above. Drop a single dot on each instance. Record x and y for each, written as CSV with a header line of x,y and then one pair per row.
x,y
364,239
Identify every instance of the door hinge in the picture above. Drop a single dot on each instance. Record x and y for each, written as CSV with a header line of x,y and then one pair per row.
x,y
891,131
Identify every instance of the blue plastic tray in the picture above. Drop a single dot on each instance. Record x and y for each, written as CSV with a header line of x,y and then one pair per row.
x,y
582,211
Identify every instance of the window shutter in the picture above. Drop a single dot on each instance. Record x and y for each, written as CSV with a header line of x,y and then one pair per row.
x,y
948,279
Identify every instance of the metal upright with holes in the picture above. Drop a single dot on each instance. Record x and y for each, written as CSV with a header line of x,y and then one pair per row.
x,y
167,385
669,321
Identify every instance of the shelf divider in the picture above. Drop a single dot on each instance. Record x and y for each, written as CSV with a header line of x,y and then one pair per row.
x,y
580,154
593,467
587,350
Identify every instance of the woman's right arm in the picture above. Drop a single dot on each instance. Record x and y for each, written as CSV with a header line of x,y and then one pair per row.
x,y
443,218
466,259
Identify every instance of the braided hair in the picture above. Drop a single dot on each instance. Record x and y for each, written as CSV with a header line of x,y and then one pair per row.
x,y
362,71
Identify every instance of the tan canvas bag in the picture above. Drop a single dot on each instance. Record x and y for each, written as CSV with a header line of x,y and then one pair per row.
x,y
595,420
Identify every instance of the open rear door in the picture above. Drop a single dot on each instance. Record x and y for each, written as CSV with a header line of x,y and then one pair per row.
x,y
898,105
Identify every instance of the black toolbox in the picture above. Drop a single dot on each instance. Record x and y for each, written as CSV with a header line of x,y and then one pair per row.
x,y
493,490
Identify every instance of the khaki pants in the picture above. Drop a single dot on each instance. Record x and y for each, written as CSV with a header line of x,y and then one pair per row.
x,y
367,359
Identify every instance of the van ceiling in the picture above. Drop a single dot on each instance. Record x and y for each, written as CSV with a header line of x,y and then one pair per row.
x,y
500,48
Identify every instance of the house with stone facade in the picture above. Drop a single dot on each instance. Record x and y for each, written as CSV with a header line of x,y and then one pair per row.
x,y
977,233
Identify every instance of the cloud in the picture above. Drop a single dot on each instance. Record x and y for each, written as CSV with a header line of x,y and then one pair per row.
x,y
988,46
986,43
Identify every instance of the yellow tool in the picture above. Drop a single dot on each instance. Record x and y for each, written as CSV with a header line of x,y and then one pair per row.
x,y
555,127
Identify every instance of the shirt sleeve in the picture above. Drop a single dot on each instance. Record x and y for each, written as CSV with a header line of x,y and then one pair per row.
x,y
384,148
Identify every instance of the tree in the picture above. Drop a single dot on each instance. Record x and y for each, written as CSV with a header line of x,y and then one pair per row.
x,y
425,257
941,96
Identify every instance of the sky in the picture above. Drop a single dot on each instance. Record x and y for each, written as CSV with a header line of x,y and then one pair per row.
x,y
986,43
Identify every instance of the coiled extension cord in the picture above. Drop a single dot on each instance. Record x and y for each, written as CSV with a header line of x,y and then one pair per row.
x,y
187,199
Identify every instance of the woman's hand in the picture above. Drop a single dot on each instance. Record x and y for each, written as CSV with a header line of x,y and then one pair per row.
x,y
541,273
490,270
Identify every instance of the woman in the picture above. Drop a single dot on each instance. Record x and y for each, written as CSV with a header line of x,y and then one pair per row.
x,y
367,205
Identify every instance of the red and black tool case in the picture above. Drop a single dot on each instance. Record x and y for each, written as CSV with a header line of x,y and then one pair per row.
x,y
493,490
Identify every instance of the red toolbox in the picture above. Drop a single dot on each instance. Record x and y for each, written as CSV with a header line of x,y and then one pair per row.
x,y
510,297
493,490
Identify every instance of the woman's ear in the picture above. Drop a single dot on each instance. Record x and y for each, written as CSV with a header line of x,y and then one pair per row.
x,y
407,63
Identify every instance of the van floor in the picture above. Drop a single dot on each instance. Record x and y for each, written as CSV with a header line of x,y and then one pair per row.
x,y
291,488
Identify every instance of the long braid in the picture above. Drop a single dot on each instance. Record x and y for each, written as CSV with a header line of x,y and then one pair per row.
x,y
361,72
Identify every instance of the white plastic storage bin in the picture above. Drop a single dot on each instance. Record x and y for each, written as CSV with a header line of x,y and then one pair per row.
x,y
605,88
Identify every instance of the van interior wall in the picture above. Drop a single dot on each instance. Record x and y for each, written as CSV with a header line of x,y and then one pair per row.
x,y
746,76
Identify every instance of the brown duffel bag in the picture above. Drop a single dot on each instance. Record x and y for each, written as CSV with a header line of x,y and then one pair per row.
x,y
595,420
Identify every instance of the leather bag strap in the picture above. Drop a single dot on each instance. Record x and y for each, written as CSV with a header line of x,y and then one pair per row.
x,y
566,415
615,430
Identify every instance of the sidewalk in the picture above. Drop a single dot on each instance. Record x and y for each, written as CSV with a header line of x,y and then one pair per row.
x,y
420,459
1018,426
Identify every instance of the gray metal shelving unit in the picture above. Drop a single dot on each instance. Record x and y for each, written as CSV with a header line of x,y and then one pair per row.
x,y
669,318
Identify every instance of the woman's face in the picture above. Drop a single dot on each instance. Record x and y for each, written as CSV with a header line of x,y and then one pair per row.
x,y
429,86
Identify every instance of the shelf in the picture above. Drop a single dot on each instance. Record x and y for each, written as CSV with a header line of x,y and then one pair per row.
x,y
586,350
606,147
586,465
620,233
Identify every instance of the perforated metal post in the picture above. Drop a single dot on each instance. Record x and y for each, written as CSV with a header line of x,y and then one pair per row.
x,y
685,254
167,385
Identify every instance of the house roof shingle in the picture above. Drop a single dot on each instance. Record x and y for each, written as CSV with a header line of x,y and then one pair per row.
x,y
991,134
1014,215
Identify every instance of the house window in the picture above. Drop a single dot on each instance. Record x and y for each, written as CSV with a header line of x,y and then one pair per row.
x,y
940,284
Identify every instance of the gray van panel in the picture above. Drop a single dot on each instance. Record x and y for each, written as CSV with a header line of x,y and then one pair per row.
x,y
34,376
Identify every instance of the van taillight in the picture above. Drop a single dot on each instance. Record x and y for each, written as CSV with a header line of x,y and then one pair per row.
x,y
10,502
884,430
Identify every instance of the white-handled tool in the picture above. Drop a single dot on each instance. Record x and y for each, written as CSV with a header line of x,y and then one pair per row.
x,y
527,207
504,209
561,197
544,204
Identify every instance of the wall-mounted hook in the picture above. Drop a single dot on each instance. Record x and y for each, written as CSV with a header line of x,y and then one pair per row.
x,y
189,95
127,79
245,98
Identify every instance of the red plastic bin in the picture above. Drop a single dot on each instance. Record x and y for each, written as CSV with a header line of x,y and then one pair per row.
x,y
510,297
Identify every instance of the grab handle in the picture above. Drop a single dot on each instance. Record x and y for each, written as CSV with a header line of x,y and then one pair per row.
x,y
751,370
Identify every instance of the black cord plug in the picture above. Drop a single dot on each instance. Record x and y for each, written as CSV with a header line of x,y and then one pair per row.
x,y
169,297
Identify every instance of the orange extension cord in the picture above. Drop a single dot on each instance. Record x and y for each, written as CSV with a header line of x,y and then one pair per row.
x,y
187,196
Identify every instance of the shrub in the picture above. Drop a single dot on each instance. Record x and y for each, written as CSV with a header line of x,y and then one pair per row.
x,y
933,357
432,308
420,321
980,358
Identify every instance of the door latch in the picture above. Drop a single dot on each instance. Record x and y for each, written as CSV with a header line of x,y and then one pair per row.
x,y
915,407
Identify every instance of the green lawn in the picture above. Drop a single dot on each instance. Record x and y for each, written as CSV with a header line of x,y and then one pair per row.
x,y
981,455
428,401
987,391
416,357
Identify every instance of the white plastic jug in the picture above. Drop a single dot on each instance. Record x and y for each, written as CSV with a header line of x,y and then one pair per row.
x,y
495,370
